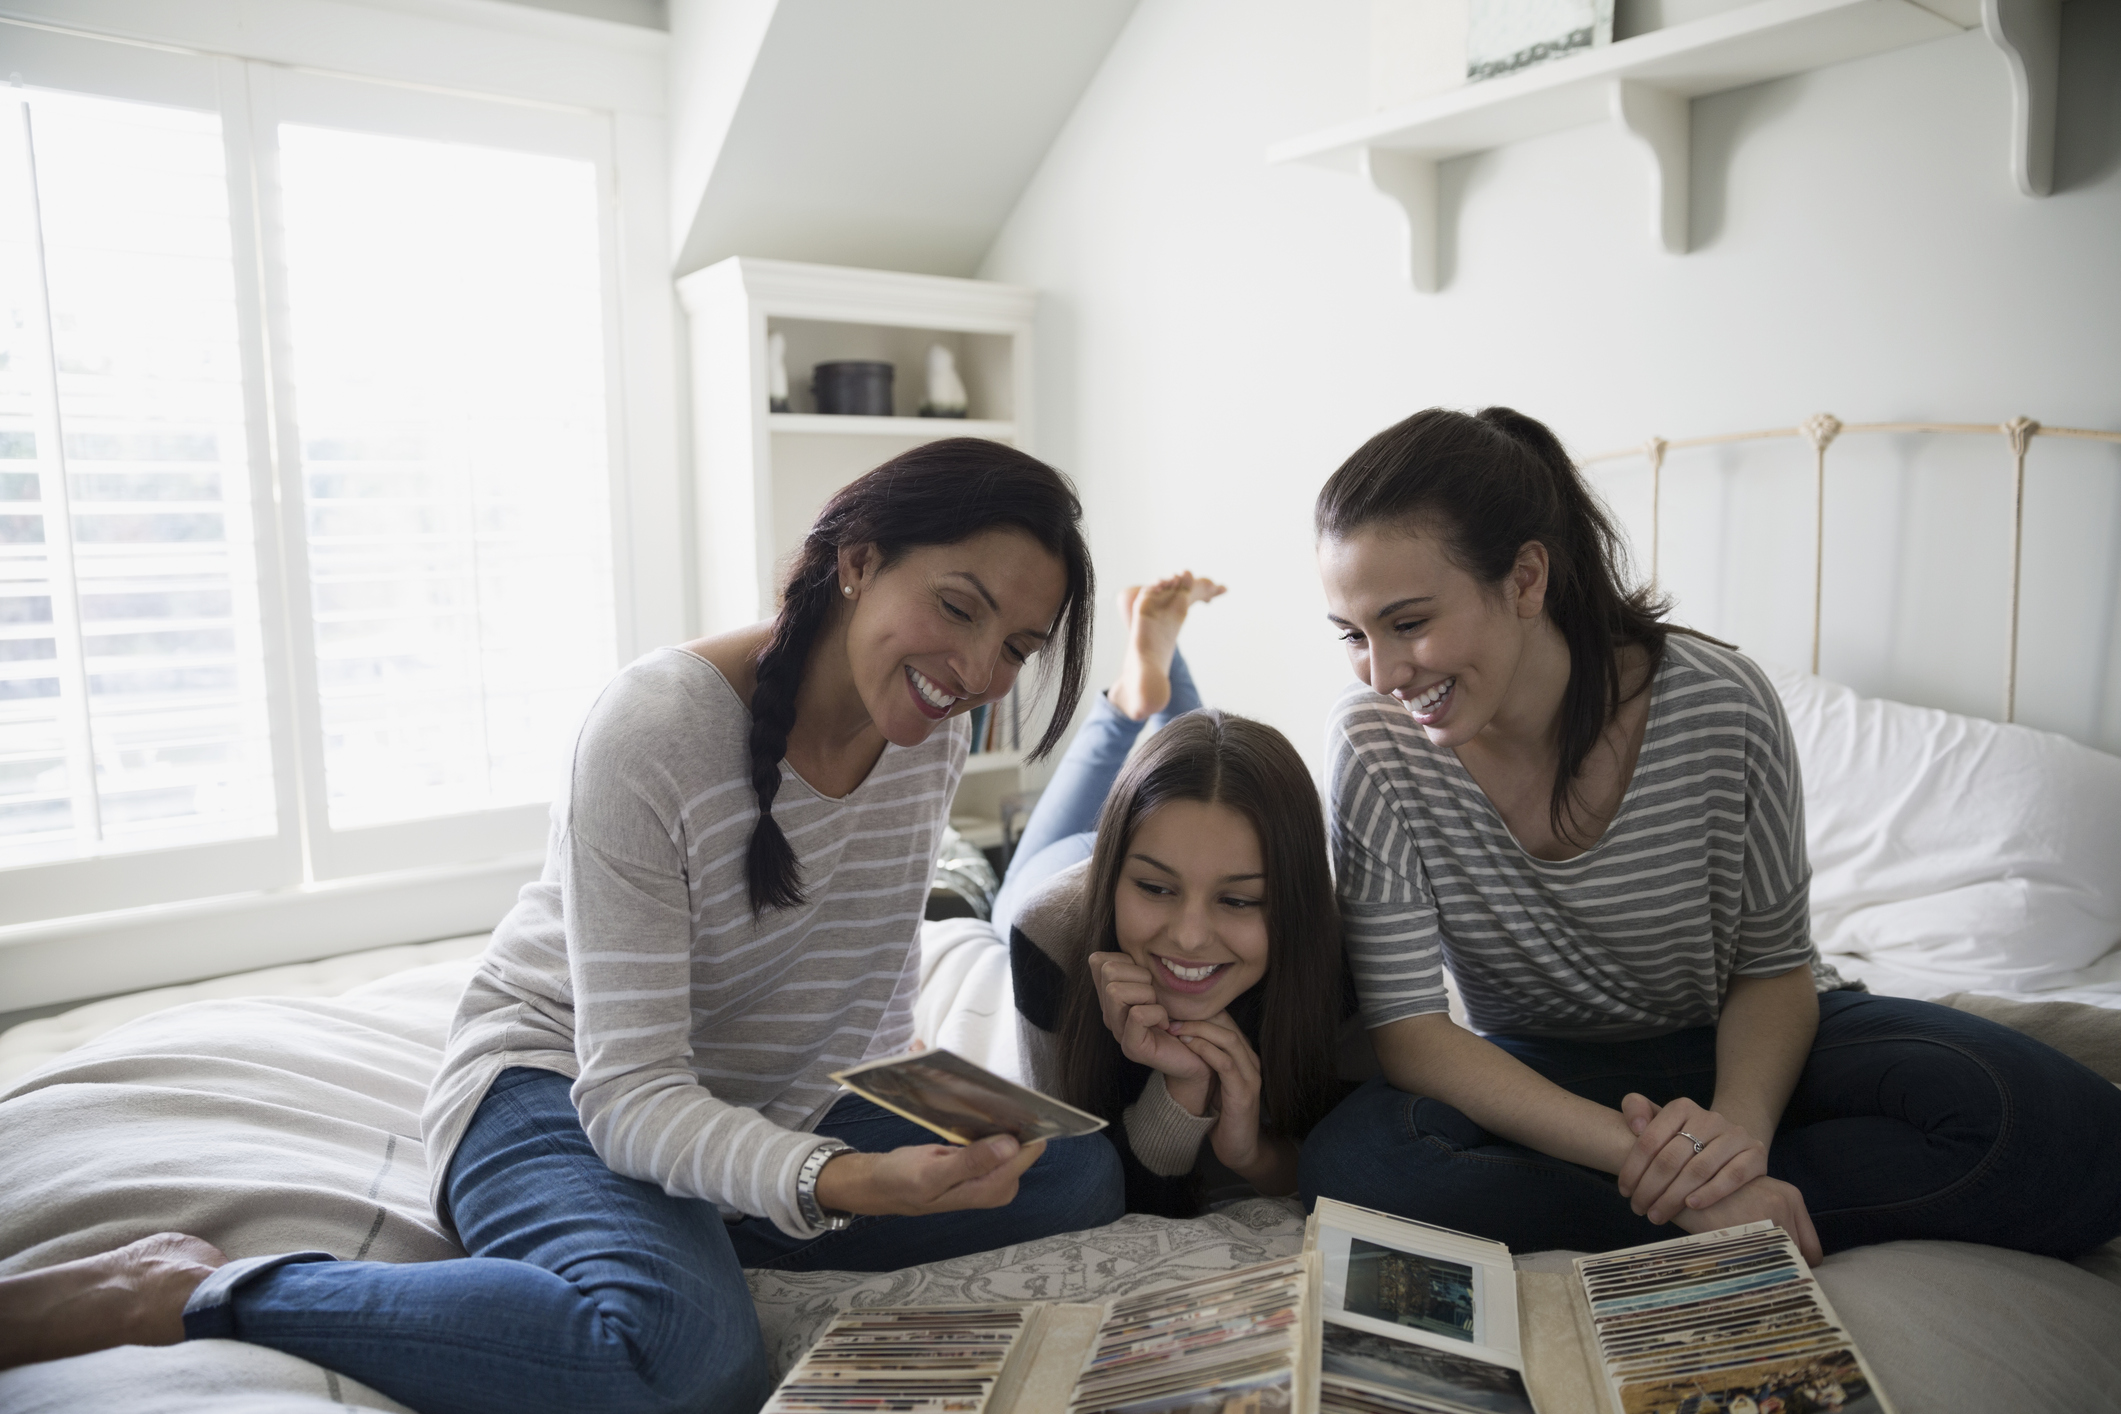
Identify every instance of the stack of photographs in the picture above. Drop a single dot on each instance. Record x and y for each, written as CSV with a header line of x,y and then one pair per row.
x,y
1728,1320
1233,1344
937,1360
1416,1319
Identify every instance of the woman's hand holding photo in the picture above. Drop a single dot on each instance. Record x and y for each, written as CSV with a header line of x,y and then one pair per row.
x,y
926,1178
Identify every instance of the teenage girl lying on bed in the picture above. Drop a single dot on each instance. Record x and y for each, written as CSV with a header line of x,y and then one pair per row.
x,y
635,1101
1596,822
1172,938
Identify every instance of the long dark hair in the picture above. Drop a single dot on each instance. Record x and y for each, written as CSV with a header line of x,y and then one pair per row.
x,y
1486,485
1216,758
938,494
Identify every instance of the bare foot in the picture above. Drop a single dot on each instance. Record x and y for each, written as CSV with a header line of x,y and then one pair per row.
x,y
132,1296
1155,613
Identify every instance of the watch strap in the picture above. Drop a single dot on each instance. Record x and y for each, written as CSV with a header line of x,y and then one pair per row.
x,y
806,1204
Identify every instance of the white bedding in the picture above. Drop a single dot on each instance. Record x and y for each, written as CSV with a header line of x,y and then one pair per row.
x,y
1954,854
265,1124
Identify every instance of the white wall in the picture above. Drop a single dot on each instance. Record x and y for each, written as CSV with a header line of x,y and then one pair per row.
x,y
1217,335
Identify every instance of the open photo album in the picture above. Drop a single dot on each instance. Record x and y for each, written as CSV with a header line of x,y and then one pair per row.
x,y
1378,1315
1238,1342
1422,1320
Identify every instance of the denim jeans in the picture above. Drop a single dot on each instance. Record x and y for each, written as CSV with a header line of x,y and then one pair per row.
x,y
1909,1120
591,1293
1063,825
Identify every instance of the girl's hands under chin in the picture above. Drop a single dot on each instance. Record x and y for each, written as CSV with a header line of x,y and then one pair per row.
x,y
1227,1053
1127,998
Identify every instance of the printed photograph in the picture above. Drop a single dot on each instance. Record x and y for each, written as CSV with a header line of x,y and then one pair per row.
x,y
1830,1382
1418,1370
962,1101
1427,1293
1268,1396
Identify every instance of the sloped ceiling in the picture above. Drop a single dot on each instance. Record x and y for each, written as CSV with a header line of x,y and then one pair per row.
x,y
891,134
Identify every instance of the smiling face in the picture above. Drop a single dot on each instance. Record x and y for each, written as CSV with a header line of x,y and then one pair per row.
x,y
945,628
1422,630
1191,906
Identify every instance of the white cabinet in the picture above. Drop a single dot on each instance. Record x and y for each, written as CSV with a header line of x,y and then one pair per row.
x,y
760,476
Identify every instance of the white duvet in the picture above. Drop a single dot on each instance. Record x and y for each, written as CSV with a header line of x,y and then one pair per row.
x,y
268,1124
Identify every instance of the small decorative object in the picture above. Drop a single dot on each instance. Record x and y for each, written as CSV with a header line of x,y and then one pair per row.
x,y
777,372
946,391
1503,36
855,387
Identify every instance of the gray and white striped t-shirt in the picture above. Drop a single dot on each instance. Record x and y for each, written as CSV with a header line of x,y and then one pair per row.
x,y
701,1039
1702,874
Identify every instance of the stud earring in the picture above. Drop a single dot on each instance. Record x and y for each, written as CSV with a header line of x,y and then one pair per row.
x,y
848,590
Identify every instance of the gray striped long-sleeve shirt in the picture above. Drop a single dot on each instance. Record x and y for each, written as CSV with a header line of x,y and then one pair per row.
x,y
700,1038
1701,876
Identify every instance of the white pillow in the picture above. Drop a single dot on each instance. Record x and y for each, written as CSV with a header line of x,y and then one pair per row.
x,y
1956,853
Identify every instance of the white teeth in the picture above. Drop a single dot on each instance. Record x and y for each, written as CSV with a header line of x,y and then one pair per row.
x,y
930,692
1190,974
1428,700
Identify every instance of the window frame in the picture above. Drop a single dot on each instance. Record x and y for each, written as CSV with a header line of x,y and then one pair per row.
x,y
309,890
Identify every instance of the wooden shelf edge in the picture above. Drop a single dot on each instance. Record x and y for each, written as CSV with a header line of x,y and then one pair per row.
x,y
844,425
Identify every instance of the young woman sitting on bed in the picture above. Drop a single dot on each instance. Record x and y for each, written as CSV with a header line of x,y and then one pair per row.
x,y
1173,944
635,1102
1595,822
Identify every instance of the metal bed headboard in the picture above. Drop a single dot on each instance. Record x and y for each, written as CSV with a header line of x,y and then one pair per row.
x,y
1820,430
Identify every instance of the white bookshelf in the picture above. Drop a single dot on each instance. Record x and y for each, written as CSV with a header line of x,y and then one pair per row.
x,y
1645,85
760,476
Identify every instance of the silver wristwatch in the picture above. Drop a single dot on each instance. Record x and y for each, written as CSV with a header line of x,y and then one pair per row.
x,y
806,1189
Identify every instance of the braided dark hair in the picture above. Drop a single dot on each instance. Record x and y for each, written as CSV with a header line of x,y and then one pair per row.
x,y
1488,484
938,494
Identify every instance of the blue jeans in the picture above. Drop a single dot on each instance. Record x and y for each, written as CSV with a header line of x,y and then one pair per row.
x,y
1910,1120
590,1293
1062,829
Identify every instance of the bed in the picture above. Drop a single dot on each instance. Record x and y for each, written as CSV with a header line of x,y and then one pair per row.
x,y
1955,858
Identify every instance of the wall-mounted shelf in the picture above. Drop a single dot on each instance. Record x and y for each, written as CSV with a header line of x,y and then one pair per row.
x,y
1645,84
920,429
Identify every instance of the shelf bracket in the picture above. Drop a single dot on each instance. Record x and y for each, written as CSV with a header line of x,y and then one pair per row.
x,y
1662,121
2029,32
1410,180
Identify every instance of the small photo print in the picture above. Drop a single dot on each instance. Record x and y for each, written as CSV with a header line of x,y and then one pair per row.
x,y
1430,1294
1417,1370
961,1101
1829,1380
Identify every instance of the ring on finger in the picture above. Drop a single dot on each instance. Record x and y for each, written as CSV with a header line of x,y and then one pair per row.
x,y
1698,1145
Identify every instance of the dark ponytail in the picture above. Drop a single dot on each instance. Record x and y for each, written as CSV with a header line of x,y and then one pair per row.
x,y
1487,485
938,494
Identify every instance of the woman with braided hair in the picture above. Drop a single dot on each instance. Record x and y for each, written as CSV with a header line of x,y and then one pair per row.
x,y
636,1103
